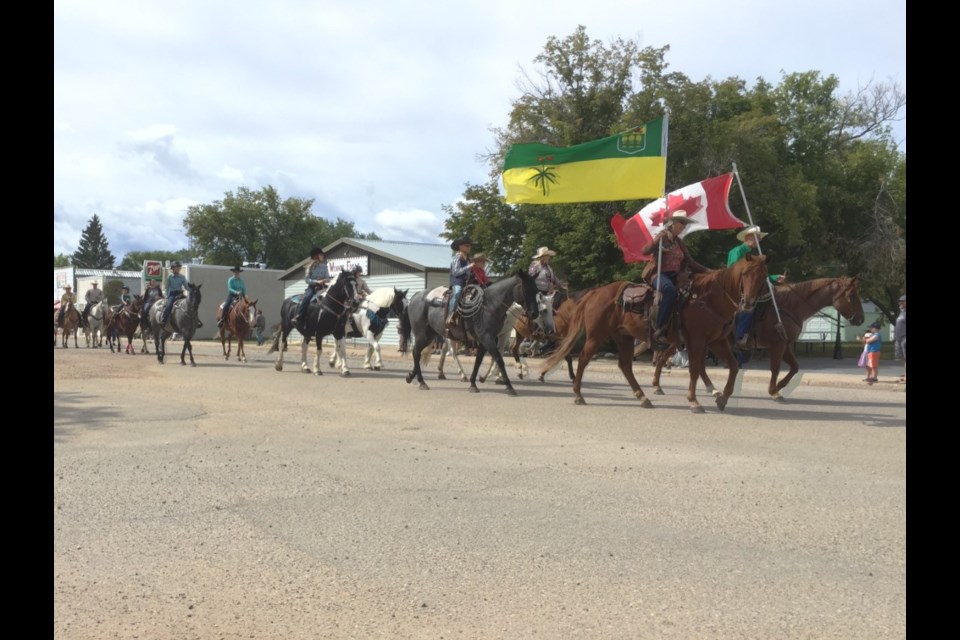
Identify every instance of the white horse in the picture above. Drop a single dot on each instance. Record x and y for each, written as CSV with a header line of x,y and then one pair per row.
x,y
514,312
96,324
369,322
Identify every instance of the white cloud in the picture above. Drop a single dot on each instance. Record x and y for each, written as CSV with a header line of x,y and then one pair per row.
x,y
412,225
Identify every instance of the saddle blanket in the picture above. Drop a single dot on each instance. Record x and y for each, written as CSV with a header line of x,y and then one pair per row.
x,y
435,296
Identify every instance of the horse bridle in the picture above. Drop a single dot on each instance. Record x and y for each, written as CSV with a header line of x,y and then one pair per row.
x,y
344,309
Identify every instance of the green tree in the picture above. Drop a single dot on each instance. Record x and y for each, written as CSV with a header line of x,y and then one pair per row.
x,y
259,226
812,164
60,260
93,251
134,260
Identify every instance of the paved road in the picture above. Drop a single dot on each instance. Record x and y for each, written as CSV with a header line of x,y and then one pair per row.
x,y
234,501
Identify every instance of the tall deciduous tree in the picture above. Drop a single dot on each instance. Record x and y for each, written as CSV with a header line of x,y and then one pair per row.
x,y
259,226
811,161
93,251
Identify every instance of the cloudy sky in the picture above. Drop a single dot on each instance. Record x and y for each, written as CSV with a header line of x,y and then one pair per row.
x,y
376,109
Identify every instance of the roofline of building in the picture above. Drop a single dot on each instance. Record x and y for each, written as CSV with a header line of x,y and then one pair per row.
x,y
360,244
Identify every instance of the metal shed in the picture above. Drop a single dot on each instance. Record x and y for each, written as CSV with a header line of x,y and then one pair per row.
x,y
414,266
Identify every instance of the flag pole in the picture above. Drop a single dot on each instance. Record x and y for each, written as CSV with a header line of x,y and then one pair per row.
x,y
743,194
663,149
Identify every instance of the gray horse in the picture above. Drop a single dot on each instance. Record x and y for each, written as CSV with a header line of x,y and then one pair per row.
x,y
423,319
183,320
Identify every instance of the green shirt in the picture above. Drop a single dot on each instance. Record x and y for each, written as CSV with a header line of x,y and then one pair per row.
x,y
741,250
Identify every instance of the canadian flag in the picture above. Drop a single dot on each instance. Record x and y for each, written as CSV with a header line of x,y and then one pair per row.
x,y
705,202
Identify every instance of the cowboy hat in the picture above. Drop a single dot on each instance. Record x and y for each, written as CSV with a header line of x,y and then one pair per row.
x,y
678,217
67,286
875,325
315,252
455,245
544,251
175,264
749,231
903,298
237,268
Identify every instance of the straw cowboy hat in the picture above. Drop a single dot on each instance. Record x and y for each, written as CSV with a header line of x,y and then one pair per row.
x,y
749,231
544,251
455,245
67,286
678,217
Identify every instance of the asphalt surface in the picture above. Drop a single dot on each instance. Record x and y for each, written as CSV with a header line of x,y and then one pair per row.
x,y
229,500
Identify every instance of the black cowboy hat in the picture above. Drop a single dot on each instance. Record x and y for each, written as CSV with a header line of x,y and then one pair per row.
x,y
175,263
237,268
315,252
455,245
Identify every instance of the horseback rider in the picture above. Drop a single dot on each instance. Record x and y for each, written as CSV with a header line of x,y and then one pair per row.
x,y
93,296
125,299
362,285
542,272
749,241
676,259
176,284
235,288
66,300
478,271
317,279
151,295
459,267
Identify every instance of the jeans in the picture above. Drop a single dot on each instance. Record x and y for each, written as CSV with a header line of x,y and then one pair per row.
x,y
668,296
305,300
259,336
168,307
226,305
744,324
454,297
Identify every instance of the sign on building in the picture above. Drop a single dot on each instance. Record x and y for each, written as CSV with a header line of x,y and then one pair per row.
x,y
336,265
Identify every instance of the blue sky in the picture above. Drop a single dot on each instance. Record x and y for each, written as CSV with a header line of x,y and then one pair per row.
x,y
377,110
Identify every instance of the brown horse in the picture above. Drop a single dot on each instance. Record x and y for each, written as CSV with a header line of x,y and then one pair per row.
x,y
563,308
125,323
797,303
242,316
704,321
71,324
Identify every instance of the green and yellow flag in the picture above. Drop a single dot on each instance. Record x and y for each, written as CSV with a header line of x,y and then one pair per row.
x,y
628,166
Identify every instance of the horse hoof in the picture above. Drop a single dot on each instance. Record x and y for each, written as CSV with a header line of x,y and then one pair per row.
x,y
366,366
440,376
483,379
697,409
409,378
511,392
278,367
193,364
541,379
499,381
777,398
722,402
658,391
464,378
474,389
646,404
344,374
579,400
424,387
376,368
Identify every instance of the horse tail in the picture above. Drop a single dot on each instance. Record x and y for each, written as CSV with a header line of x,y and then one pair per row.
x,y
405,329
574,329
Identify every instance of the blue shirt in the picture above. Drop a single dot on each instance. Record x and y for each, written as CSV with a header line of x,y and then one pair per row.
x,y
317,271
458,271
236,286
873,347
175,284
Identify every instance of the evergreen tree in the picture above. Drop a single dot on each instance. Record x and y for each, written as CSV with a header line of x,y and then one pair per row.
x,y
93,252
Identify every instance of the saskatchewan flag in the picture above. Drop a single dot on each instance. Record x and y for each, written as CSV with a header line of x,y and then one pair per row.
x,y
628,166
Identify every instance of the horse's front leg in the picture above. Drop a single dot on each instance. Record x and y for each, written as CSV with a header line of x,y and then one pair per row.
x,y
318,354
697,353
187,347
722,349
660,359
305,354
340,346
241,352
373,351
417,353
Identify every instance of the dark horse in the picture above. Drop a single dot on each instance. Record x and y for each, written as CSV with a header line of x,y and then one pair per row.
x,y
425,321
797,303
704,321
183,320
327,315
125,323
242,315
